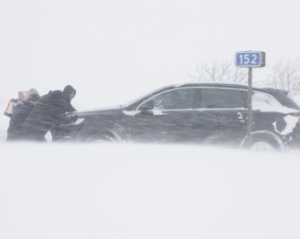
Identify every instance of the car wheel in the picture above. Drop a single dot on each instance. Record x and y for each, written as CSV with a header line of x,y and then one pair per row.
x,y
264,141
264,145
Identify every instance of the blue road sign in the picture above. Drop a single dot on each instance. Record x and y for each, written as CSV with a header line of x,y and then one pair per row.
x,y
250,59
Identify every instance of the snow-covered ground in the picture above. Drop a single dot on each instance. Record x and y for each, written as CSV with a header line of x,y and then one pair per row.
x,y
147,191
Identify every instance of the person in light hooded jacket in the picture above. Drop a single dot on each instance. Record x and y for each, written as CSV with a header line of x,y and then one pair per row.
x,y
21,111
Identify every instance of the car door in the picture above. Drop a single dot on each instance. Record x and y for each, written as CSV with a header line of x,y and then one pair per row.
x,y
221,117
165,117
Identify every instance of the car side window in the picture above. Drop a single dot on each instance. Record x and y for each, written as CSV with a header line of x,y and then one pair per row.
x,y
173,99
222,98
261,101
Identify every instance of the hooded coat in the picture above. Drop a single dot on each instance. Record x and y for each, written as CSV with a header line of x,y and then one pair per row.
x,y
66,95
48,113
20,114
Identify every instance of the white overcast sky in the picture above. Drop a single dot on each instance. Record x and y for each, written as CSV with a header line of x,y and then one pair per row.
x,y
113,51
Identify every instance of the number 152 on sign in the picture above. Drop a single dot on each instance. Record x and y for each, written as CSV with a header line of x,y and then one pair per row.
x,y
250,59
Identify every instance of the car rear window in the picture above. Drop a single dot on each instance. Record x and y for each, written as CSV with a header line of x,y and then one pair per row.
x,y
262,101
222,98
287,101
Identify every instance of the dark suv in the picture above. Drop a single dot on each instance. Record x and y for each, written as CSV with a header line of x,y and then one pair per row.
x,y
206,113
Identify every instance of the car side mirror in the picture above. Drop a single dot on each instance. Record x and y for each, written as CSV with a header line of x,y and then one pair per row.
x,y
147,108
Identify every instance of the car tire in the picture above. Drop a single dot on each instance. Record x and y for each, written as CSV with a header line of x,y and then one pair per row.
x,y
264,144
264,141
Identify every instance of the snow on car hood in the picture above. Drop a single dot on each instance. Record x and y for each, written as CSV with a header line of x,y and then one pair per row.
x,y
91,111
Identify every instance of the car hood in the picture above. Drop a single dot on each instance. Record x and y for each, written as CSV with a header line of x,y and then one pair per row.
x,y
96,111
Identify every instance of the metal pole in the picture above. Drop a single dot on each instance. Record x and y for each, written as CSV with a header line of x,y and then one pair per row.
x,y
249,101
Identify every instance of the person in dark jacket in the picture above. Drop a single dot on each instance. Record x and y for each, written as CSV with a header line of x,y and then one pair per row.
x,y
21,111
69,93
47,114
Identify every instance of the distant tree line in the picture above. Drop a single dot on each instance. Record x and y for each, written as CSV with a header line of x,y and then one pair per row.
x,y
284,74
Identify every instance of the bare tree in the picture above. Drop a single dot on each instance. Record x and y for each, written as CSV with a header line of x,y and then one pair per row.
x,y
285,75
219,72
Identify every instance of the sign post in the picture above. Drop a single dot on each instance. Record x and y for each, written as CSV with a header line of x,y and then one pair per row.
x,y
249,103
250,59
